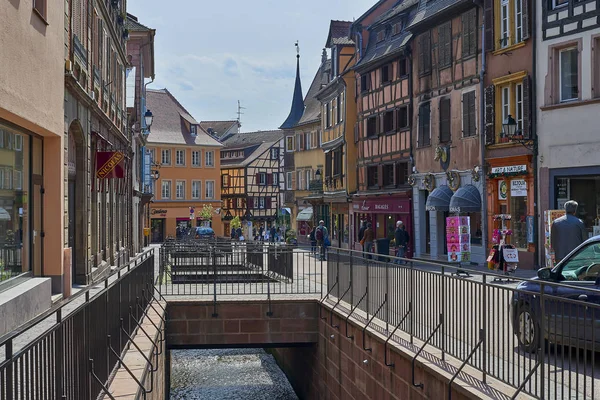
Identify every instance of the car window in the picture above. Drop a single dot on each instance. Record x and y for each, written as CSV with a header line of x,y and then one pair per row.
x,y
583,265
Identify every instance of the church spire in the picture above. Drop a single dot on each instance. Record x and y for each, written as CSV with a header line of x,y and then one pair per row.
x,y
297,101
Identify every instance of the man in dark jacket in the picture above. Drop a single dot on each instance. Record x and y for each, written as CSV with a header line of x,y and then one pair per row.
x,y
272,234
567,232
401,239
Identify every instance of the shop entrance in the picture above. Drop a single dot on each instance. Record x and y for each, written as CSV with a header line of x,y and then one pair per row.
x,y
76,206
157,230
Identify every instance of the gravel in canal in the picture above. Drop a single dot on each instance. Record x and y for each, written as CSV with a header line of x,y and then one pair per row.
x,y
250,374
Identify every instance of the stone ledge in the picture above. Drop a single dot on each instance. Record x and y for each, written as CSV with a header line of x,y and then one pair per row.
x,y
24,302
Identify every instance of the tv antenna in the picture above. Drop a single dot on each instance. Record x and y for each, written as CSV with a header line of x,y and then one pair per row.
x,y
240,113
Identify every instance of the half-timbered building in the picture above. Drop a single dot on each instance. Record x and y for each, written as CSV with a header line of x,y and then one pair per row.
x,y
568,103
509,50
446,60
383,130
251,166
338,111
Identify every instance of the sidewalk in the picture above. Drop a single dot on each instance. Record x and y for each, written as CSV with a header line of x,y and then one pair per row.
x,y
478,268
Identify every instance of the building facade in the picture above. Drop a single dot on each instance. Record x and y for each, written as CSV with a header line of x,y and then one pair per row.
x,y
251,180
446,60
568,95
189,167
508,94
338,119
384,107
140,52
97,210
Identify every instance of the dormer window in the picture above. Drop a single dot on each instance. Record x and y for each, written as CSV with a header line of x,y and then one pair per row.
x,y
380,36
193,130
396,28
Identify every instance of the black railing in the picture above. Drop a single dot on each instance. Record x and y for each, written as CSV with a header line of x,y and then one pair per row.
x,y
65,353
11,263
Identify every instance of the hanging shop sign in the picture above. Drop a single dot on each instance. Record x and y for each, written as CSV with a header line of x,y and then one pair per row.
x,y
382,205
509,170
110,164
502,190
518,188
159,211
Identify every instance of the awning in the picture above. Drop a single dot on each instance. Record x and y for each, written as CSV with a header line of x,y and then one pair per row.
x,y
439,199
286,210
466,199
4,215
305,215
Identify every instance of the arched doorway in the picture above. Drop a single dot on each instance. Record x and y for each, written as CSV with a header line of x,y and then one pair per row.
x,y
77,232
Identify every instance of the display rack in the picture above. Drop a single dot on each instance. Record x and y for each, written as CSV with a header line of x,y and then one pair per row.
x,y
503,257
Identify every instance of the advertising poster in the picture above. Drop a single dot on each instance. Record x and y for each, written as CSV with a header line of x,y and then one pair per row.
x,y
549,217
458,239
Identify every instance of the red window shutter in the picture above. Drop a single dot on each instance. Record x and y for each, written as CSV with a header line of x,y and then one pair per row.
x,y
258,179
250,202
269,179
268,202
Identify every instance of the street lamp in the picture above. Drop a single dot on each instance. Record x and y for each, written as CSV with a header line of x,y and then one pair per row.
x,y
509,127
148,117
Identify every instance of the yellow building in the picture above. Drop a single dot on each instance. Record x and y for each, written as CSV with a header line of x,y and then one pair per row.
x,y
187,160
338,140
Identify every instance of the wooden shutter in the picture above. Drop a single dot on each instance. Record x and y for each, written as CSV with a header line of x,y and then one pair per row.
x,y
490,128
269,179
465,114
294,181
257,178
527,107
445,121
268,202
250,202
445,44
525,24
488,18
472,120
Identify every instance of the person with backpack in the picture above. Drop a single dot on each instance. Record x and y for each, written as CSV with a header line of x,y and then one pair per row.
x,y
322,236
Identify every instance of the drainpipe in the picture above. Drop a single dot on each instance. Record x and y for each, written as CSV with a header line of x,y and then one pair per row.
x,y
534,137
484,216
360,43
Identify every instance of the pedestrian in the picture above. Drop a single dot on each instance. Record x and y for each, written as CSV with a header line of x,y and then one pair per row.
x,y
567,232
361,235
238,233
273,234
313,241
400,237
369,238
261,233
232,233
322,236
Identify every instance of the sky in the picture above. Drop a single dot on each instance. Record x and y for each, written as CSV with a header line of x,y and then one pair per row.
x,y
210,54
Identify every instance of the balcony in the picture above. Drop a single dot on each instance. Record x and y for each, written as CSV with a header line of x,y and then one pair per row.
x,y
316,185
334,183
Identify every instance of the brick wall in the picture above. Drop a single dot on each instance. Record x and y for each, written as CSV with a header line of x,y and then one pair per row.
x,y
334,368
242,323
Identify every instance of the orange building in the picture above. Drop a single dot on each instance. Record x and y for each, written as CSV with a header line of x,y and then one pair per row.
x,y
186,168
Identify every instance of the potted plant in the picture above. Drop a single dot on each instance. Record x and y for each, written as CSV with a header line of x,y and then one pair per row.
x,y
291,238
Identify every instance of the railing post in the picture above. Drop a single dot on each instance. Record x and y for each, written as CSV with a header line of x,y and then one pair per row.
x,y
337,263
442,311
9,370
412,303
351,279
484,365
387,291
58,356
214,314
542,339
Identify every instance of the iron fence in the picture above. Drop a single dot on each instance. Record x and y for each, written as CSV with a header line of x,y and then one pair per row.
x,y
71,351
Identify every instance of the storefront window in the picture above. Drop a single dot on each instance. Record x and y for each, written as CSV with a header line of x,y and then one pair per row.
x,y
585,190
476,233
518,223
14,203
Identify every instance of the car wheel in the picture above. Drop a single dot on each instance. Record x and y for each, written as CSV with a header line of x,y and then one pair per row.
x,y
528,330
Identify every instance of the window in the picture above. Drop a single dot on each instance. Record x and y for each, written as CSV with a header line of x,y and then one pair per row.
x,y
445,44
289,180
193,130
396,28
340,108
596,68
388,175
519,21
365,82
402,118
424,135
261,203
196,188
469,33
308,178
386,73
299,142
180,190
152,153
165,190
210,190
519,106
559,3
337,162
300,180
372,126
308,140
569,74
180,157
403,67
328,115
275,153
468,104
275,179
388,122
401,173
41,7
373,177
289,144
510,99
425,53
18,142
380,36
445,121
504,23
18,180
225,180
166,157
262,179
505,103
195,158
209,158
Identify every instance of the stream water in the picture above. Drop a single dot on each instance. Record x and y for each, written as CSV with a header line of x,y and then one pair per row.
x,y
227,374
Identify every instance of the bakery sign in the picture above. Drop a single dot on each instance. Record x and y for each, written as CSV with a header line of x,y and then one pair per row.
x,y
509,169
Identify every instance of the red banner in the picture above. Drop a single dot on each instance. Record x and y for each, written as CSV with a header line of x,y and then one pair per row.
x,y
110,164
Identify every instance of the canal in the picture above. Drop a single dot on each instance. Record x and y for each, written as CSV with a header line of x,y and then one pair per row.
x,y
227,374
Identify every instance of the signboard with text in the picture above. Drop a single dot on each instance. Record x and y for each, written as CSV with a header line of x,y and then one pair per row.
x,y
518,188
110,164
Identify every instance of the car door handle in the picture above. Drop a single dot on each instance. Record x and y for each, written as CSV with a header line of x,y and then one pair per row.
x,y
583,297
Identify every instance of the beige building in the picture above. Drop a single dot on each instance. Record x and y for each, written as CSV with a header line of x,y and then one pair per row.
x,y
31,159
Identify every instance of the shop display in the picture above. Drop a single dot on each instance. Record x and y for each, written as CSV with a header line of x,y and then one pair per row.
x,y
503,256
458,239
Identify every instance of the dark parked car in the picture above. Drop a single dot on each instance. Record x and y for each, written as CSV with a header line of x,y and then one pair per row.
x,y
570,312
204,232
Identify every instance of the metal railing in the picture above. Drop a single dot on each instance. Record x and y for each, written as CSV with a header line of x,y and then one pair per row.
x,y
481,320
11,263
71,351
